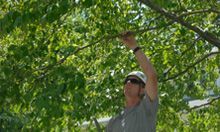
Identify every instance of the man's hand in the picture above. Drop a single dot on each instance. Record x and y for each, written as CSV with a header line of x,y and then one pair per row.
x,y
129,40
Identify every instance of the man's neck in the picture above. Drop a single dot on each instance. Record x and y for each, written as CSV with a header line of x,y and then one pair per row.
x,y
131,102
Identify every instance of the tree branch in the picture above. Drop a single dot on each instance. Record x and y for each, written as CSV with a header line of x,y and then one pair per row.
x,y
199,11
191,66
140,31
104,38
183,53
211,38
208,103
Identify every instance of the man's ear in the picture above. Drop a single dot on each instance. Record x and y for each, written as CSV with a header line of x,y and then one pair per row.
x,y
142,91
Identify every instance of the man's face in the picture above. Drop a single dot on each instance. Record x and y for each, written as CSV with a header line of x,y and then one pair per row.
x,y
132,87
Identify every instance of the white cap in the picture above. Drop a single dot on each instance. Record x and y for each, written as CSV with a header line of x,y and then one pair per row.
x,y
138,74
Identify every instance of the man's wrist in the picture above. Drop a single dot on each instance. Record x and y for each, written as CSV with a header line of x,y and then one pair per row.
x,y
136,49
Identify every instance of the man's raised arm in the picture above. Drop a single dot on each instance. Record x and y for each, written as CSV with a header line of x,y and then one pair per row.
x,y
151,86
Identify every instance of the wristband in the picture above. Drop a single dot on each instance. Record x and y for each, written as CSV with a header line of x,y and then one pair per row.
x,y
136,49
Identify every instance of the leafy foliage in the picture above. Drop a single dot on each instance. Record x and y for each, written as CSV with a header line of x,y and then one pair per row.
x,y
61,63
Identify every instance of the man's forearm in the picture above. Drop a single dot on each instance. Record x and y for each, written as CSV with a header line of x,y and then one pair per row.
x,y
149,71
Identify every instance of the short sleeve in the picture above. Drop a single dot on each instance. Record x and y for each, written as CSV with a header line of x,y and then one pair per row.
x,y
149,106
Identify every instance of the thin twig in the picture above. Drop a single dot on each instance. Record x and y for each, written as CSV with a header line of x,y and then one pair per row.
x,y
183,53
198,11
208,103
190,66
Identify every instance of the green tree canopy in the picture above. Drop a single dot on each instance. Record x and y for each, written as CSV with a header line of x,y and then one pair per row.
x,y
61,63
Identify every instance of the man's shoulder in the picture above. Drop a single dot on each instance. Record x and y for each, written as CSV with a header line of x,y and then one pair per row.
x,y
113,121
148,106
116,117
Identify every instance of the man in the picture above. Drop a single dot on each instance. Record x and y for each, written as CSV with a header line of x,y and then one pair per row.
x,y
141,99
